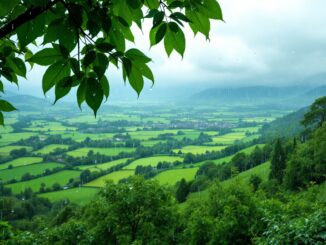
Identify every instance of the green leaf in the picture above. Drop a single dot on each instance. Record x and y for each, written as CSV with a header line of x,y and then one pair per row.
x,y
152,4
52,32
6,106
46,57
1,87
136,80
94,94
158,18
179,16
174,39
161,33
28,32
75,67
209,8
137,56
199,23
17,65
1,119
6,6
54,74
105,86
176,4
81,93
89,58
62,88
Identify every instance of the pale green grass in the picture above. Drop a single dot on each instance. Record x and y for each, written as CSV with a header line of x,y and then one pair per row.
x,y
5,150
195,149
79,137
248,129
115,177
152,161
6,129
261,170
228,139
33,169
22,161
42,126
103,166
51,148
146,135
247,150
171,177
9,138
150,143
81,195
61,178
82,152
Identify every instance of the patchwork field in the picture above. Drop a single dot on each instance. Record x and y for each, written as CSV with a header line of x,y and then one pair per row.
x,y
194,149
82,152
61,178
171,177
115,177
22,161
9,138
34,169
51,148
152,161
5,150
103,166
81,195
227,139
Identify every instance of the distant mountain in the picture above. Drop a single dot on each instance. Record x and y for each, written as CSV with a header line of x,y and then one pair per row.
x,y
260,95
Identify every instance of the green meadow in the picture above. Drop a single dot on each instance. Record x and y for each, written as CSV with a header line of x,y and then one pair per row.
x,y
22,161
152,161
51,148
80,195
61,178
82,152
171,177
34,169
103,166
5,150
197,149
114,176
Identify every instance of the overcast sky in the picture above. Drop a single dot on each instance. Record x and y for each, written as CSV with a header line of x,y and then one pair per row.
x,y
262,42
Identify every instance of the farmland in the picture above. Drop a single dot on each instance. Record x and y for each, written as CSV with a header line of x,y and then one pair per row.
x,y
115,177
71,156
152,161
61,178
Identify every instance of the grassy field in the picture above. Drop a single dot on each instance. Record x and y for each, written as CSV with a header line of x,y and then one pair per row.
x,y
50,148
5,150
247,150
81,195
9,138
227,139
103,166
34,169
42,126
261,170
22,161
198,149
61,178
115,177
171,177
146,135
79,137
152,161
82,152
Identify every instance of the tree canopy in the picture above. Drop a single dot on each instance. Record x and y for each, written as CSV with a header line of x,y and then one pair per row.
x,y
77,40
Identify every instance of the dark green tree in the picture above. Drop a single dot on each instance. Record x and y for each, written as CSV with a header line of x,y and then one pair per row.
x,y
182,191
77,40
278,162
317,114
